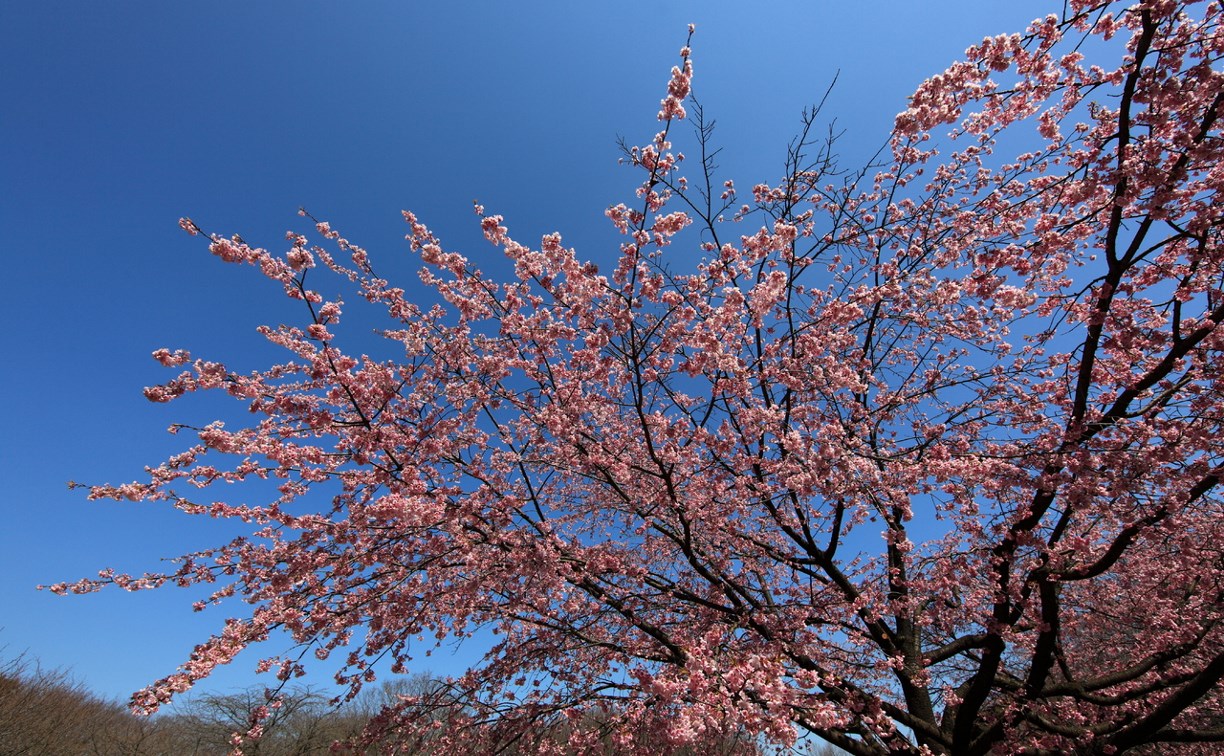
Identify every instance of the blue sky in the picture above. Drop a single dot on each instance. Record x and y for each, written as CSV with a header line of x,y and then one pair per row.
x,y
118,119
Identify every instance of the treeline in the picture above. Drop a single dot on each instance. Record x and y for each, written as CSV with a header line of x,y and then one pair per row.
x,y
48,712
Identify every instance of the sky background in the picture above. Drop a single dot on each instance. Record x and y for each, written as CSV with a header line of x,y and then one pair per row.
x,y
117,119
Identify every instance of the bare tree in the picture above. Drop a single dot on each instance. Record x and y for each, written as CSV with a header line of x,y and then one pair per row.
x,y
46,712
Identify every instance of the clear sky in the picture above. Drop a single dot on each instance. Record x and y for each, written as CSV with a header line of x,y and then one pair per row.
x,y
119,118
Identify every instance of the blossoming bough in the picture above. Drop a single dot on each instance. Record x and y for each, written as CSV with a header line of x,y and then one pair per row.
x,y
923,460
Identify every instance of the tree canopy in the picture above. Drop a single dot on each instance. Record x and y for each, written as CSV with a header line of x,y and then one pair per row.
x,y
922,457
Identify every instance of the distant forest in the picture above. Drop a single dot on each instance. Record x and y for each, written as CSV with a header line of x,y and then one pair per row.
x,y
46,712
49,712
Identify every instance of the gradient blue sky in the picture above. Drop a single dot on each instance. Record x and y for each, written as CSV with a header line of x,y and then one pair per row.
x,y
118,118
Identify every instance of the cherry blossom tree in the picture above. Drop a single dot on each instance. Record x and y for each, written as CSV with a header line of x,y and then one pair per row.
x,y
921,458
